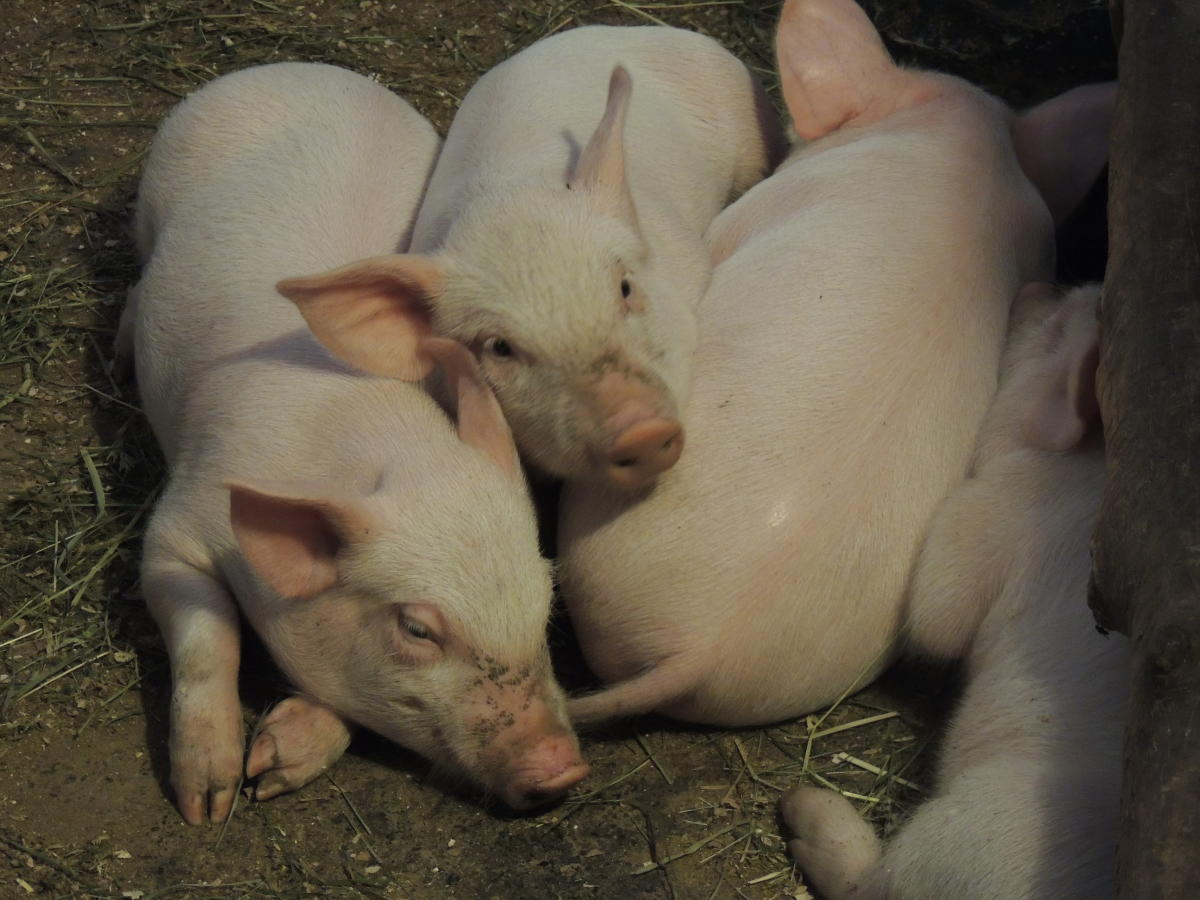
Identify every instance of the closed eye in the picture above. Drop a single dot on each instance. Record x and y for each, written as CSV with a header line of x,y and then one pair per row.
x,y
421,630
417,630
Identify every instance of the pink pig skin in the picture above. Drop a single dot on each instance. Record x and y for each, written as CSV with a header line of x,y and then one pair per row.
x,y
388,559
850,340
1027,796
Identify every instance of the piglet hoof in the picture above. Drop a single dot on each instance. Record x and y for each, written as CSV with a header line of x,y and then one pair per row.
x,y
206,796
206,767
297,741
832,844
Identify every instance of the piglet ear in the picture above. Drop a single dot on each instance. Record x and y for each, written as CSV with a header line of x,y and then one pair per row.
x,y
1062,144
481,422
1064,405
293,541
600,169
834,68
1034,303
372,314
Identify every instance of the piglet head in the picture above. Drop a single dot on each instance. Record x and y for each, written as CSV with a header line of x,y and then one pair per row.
x,y
583,334
419,609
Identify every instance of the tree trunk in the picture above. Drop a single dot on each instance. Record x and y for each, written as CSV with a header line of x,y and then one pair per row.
x,y
1146,583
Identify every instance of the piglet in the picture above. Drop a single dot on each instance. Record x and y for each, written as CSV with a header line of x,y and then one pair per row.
x,y
386,555
1027,796
850,340
561,239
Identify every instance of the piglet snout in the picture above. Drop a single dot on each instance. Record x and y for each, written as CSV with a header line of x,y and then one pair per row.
x,y
643,451
640,438
545,773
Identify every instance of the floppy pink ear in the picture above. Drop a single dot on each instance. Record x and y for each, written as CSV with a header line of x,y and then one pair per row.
x,y
834,68
1035,302
600,169
1062,144
481,422
1065,405
373,313
292,541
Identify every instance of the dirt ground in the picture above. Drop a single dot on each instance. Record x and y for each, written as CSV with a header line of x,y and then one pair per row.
x,y
85,810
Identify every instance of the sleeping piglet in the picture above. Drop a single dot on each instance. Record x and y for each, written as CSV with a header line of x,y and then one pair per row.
x,y
561,239
849,346
386,554
1026,802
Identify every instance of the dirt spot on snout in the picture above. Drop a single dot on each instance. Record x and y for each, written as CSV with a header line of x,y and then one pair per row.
x,y
500,694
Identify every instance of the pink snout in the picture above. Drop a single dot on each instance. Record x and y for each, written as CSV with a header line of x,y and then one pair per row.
x,y
643,451
544,773
638,439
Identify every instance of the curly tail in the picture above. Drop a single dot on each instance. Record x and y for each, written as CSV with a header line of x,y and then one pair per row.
x,y
645,692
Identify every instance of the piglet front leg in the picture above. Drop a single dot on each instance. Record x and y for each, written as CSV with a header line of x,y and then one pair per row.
x,y
199,623
122,353
298,740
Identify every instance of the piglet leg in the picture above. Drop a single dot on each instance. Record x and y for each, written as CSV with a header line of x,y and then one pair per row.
x,y
199,623
832,844
298,740
122,362
958,575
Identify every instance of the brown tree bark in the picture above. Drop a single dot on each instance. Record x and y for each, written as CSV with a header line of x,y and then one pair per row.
x,y
1146,582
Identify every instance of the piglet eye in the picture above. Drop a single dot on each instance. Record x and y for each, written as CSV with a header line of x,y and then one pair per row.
x,y
422,629
626,288
416,629
498,347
